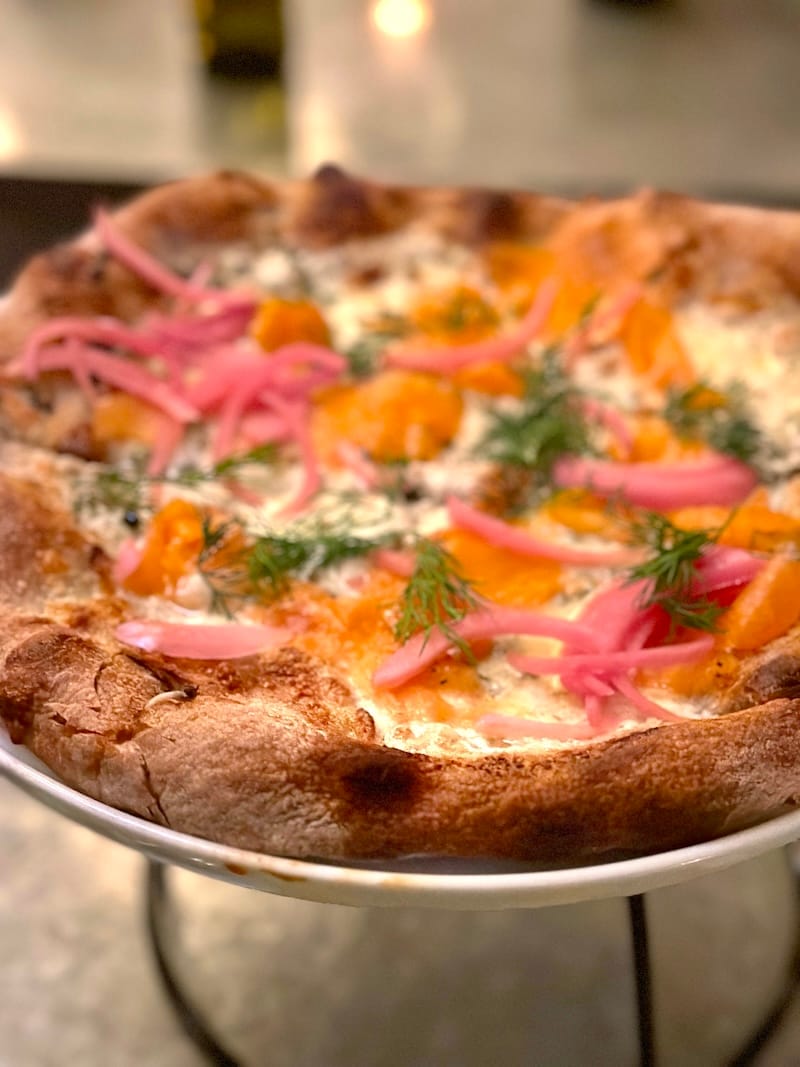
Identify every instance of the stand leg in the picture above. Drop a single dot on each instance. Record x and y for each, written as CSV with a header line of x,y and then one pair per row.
x,y
158,932
749,1052
758,1041
159,929
641,966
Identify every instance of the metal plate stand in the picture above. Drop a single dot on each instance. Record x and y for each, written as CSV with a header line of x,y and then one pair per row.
x,y
160,926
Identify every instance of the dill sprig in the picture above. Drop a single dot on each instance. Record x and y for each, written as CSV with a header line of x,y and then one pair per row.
x,y
548,424
670,569
436,597
263,564
221,570
126,491
719,418
274,558
363,356
113,490
261,455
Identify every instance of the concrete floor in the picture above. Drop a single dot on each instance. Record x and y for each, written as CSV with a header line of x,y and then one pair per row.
x,y
562,94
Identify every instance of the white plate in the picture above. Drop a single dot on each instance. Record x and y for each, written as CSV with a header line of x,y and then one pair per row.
x,y
422,883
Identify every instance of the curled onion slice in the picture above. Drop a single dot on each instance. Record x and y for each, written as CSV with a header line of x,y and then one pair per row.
x,y
448,359
493,620
212,642
663,486
121,374
147,267
607,663
504,535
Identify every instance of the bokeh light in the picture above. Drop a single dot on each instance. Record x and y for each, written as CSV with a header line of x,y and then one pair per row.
x,y
401,18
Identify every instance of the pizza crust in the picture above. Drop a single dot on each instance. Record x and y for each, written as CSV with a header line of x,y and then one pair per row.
x,y
274,754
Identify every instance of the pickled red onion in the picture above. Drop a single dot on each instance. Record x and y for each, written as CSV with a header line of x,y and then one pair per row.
x,y
493,620
395,561
596,328
359,464
451,358
297,417
609,662
613,421
212,642
721,567
120,373
720,480
128,559
642,703
187,334
264,427
504,535
146,267
104,331
168,438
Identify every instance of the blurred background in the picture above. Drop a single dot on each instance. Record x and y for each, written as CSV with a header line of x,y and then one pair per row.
x,y
574,96
577,95
101,97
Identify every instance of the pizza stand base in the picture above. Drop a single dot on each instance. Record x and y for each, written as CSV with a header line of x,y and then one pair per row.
x,y
421,884
160,928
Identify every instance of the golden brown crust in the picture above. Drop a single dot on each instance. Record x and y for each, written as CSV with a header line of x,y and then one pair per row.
x,y
43,555
274,753
280,759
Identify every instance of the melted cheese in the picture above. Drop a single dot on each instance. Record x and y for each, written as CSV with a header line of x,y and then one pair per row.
x,y
407,267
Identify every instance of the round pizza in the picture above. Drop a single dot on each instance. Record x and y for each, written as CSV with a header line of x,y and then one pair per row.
x,y
341,520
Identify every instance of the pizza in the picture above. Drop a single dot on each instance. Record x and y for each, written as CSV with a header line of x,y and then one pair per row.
x,y
349,521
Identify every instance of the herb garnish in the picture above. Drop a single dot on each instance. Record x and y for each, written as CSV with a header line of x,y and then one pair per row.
x,y
437,596
262,564
549,423
364,354
273,558
114,490
670,569
720,418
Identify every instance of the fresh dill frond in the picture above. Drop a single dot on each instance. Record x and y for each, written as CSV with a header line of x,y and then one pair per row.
x,y
669,570
274,558
719,418
260,455
113,490
127,491
238,564
436,597
698,613
364,355
223,571
548,424
588,309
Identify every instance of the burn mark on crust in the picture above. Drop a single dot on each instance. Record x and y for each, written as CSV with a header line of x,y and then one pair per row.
x,y
69,278
374,778
334,207
490,215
